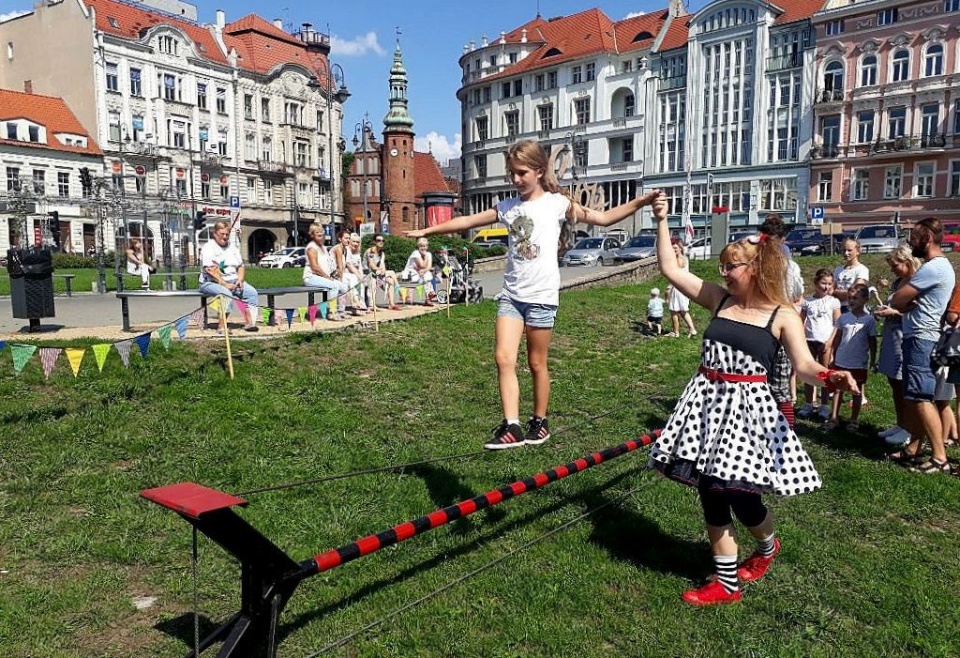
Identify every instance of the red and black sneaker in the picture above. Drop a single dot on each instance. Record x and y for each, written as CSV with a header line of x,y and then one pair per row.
x,y
755,566
537,431
505,436
713,593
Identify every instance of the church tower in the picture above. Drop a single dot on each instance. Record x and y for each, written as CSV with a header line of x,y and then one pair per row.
x,y
399,191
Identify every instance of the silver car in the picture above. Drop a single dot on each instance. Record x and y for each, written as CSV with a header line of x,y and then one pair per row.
x,y
637,248
878,238
592,251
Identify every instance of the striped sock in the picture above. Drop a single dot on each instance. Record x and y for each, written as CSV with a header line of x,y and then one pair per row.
x,y
766,545
786,408
726,566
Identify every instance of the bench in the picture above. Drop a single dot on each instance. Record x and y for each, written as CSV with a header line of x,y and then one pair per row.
x,y
68,280
271,294
168,277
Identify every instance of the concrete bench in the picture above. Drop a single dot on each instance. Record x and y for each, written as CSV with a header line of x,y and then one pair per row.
x,y
68,280
271,294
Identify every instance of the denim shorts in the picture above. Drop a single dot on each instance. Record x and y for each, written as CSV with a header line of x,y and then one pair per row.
x,y
919,382
541,316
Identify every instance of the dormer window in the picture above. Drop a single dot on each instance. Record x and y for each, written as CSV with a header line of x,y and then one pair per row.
x,y
642,36
114,23
168,45
552,52
11,130
33,133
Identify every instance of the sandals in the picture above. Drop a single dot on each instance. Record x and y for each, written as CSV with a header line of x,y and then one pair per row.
x,y
932,466
904,458
853,426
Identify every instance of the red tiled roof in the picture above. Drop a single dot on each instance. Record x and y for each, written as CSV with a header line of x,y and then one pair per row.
x,y
427,176
797,10
630,28
127,21
261,47
677,34
49,112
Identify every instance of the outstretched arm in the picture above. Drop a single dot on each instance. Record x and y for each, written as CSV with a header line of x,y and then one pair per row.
x,y
704,293
456,225
615,214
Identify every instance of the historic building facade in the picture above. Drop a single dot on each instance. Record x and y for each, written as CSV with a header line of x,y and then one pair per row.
x,y
887,111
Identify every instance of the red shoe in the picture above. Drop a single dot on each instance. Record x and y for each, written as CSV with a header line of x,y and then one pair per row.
x,y
394,307
428,303
713,593
755,566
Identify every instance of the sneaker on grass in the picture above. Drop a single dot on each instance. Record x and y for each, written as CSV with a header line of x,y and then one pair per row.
x,y
505,436
824,411
537,431
805,411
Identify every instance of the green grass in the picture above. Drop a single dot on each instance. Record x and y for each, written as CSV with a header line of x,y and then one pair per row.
x,y
869,564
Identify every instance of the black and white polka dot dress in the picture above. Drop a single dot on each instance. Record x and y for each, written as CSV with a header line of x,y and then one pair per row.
x,y
733,432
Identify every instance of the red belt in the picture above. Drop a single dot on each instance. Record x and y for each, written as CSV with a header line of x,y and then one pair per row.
x,y
715,375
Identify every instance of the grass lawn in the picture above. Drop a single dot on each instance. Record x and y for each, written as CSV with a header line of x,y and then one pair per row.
x,y
869,566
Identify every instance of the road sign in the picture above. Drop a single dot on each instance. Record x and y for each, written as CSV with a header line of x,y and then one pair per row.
x,y
234,202
140,170
816,215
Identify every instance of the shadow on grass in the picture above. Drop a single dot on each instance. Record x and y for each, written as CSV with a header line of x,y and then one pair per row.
x,y
181,628
863,442
636,539
446,488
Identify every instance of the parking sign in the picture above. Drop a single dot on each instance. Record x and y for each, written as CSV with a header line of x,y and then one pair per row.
x,y
816,214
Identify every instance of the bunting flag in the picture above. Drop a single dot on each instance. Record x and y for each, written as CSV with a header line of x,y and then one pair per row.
x,y
181,325
215,304
197,318
434,283
323,310
48,359
100,351
302,312
123,349
3,344
312,314
403,295
420,291
75,358
241,308
143,342
164,334
396,290
333,306
21,354
289,313
265,314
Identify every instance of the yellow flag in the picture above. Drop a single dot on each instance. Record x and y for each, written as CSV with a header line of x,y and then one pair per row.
x,y
100,351
75,357
214,304
333,306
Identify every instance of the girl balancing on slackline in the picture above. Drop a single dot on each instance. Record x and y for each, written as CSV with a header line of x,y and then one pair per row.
x,y
726,436
531,281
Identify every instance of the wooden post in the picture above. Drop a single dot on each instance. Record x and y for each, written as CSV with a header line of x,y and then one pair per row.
x,y
226,332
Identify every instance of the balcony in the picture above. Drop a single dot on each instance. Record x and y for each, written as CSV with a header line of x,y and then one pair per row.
x,y
788,61
620,122
825,151
208,158
822,96
272,167
909,143
543,134
673,82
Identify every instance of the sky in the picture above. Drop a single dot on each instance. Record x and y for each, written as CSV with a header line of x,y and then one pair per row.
x,y
432,34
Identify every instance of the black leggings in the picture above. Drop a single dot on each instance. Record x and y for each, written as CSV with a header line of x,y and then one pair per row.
x,y
748,507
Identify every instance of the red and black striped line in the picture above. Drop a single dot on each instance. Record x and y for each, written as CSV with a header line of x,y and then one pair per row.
x,y
402,532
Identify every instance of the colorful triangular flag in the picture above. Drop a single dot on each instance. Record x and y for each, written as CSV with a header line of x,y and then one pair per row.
x,y
312,314
123,349
143,342
100,351
48,359
265,314
323,309
164,334
21,354
289,312
302,312
181,325
197,318
75,357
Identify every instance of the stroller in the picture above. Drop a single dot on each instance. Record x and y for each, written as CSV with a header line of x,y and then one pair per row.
x,y
462,286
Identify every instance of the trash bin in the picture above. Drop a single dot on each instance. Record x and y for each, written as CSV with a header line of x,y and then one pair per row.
x,y
31,284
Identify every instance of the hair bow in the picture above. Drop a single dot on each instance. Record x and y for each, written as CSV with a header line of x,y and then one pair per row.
x,y
759,238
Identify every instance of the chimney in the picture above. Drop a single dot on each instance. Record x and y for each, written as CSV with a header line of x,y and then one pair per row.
x,y
523,35
278,23
484,42
28,86
503,37
221,19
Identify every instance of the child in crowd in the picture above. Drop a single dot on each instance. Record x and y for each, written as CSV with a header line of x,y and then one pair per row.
x,y
820,313
655,312
855,350
531,282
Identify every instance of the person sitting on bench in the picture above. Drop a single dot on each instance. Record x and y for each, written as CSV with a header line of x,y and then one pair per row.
x,y
419,268
137,263
223,274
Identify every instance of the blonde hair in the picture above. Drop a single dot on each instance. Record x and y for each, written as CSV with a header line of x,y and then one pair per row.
x,y
770,266
904,254
529,153
315,229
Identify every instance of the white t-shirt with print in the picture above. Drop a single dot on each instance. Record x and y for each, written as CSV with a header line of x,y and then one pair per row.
x,y
532,274
854,348
227,259
818,317
844,277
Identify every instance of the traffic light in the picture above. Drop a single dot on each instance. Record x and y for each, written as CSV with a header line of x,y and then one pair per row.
x,y
86,181
55,227
198,221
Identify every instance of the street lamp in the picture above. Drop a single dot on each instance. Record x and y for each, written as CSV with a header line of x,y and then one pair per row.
x,y
364,128
334,78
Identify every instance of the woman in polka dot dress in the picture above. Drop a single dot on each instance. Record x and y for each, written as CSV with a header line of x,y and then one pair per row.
x,y
726,437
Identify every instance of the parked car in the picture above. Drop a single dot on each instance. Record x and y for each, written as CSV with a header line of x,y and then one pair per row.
x,y
636,248
618,233
592,251
879,238
736,236
699,249
803,241
487,244
287,257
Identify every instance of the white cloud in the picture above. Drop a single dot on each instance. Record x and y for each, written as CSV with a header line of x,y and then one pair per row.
x,y
634,14
359,45
438,144
12,14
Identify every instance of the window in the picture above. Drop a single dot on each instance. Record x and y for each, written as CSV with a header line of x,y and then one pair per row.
x,y
293,113
512,123
951,5
169,87
833,76
887,16
39,181
930,119
830,131
136,128
512,58
202,95
136,88
205,186
168,45
868,71
301,154
538,82
581,110
518,87
221,100
825,186
265,112
11,130
865,126
626,66
892,181
250,147
222,144
924,177
834,27
591,69
861,185
251,189
626,147
898,122
933,60
576,75
178,134
551,79
629,105
268,192
13,179
483,132
266,149
901,65
481,164
63,184
33,133
248,106
113,83
955,178
956,117
204,138
504,90
113,121
487,94
545,114
224,189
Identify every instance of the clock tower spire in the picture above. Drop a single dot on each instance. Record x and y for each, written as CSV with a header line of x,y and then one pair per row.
x,y
399,191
